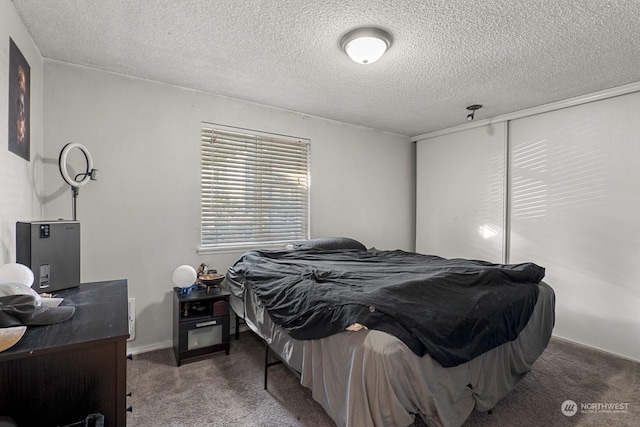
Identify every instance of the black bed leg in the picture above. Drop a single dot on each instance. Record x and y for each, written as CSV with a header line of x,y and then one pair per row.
x,y
490,411
237,326
266,364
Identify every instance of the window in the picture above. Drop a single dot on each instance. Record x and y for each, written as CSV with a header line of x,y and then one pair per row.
x,y
254,187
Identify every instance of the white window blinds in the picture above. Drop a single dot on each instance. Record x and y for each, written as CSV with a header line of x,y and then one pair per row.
x,y
255,187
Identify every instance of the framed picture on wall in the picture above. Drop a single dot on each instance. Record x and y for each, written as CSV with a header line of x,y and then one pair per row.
x,y
19,102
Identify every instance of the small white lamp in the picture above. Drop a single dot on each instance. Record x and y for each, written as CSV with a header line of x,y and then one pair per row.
x,y
16,273
184,277
17,279
366,45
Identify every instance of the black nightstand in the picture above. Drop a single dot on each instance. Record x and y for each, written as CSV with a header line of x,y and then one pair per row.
x,y
200,323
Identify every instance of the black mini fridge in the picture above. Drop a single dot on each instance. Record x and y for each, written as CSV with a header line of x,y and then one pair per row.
x,y
51,249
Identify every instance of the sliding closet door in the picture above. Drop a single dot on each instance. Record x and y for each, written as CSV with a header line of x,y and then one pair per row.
x,y
575,209
460,194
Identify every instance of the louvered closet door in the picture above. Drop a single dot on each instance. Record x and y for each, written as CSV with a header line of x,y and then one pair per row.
x,y
460,189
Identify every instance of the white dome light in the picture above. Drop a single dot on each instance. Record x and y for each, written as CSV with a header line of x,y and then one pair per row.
x,y
366,45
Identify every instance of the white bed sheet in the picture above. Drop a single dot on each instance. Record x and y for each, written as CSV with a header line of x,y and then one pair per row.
x,y
370,378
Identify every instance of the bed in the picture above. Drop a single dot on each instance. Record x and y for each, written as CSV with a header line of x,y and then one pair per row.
x,y
381,336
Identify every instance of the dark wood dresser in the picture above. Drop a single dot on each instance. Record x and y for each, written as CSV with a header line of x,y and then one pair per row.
x,y
59,374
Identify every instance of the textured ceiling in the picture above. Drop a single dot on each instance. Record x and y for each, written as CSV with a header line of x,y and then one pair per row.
x,y
506,54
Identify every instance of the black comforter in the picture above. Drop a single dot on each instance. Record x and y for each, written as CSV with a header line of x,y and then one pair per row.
x,y
452,309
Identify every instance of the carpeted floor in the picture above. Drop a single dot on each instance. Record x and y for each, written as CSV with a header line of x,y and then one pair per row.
x,y
228,391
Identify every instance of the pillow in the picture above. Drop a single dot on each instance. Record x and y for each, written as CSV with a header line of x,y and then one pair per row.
x,y
329,243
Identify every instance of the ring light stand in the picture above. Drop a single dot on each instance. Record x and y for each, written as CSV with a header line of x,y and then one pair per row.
x,y
88,175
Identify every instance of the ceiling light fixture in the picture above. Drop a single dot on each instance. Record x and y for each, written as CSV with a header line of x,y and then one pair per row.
x,y
366,45
473,109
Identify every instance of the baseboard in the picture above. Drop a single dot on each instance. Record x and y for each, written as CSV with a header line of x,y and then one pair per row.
x,y
151,347
595,348
168,344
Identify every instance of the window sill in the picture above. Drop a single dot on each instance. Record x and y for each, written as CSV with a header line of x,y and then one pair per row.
x,y
238,248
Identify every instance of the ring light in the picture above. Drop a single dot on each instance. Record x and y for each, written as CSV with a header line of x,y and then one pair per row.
x,y
75,183
62,162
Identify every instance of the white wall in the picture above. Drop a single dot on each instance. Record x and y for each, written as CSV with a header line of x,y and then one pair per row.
x,y
573,207
140,219
20,180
